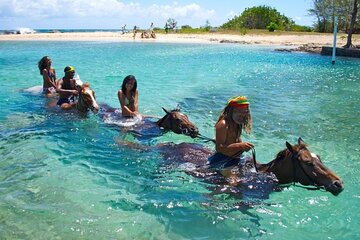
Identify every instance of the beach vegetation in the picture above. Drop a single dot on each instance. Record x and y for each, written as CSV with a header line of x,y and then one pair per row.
x,y
262,17
325,12
272,27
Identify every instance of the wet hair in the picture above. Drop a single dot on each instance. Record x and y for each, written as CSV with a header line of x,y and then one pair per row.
x,y
125,81
227,116
42,63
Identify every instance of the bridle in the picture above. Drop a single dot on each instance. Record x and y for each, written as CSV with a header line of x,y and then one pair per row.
x,y
82,104
169,115
295,159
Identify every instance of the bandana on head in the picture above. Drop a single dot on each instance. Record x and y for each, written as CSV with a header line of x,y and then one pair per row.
x,y
239,102
69,69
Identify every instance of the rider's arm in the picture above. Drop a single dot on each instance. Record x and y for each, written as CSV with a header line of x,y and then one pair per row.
x,y
47,79
221,141
60,90
136,101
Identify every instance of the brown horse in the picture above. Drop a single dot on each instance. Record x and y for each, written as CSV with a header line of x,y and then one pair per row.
x,y
174,121
297,164
86,99
177,122
293,164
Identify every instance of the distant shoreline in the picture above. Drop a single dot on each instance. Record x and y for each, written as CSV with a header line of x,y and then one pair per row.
x,y
290,39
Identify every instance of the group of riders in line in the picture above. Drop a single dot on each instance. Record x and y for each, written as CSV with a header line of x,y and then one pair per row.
x,y
232,122
291,164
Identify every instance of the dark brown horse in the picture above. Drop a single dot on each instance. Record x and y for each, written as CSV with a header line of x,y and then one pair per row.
x,y
174,121
177,122
297,164
86,99
291,165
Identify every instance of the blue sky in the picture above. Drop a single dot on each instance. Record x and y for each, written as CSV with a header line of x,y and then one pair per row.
x,y
112,14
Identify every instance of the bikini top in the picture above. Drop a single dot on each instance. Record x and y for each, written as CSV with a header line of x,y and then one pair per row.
x,y
51,75
128,102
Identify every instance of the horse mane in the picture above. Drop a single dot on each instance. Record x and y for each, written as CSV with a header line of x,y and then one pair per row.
x,y
85,85
283,154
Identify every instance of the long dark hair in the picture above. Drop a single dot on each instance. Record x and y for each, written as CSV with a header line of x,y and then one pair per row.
x,y
125,81
42,63
227,116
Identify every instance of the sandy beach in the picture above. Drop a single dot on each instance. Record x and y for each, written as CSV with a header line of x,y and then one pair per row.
x,y
291,39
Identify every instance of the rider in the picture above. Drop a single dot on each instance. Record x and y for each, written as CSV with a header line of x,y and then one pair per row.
x,y
128,97
234,119
66,87
49,76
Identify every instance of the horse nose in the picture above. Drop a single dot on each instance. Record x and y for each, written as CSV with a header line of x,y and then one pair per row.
x,y
96,109
336,187
194,132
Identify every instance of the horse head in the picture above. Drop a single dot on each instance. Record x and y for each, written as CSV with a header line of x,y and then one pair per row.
x,y
178,122
87,99
297,164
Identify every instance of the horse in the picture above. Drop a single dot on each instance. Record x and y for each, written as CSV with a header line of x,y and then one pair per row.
x,y
297,164
173,120
177,122
294,164
86,99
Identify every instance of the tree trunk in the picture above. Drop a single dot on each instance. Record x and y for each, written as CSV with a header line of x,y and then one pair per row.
x,y
352,23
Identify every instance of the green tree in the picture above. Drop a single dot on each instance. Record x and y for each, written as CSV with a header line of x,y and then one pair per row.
x,y
259,18
326,10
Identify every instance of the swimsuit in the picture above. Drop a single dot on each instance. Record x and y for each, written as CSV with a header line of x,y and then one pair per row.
x,y
49,90
65,100
219,160
67,86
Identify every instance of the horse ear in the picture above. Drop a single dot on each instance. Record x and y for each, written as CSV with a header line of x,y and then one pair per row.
x,y
177,108
289,147
301,141
167,112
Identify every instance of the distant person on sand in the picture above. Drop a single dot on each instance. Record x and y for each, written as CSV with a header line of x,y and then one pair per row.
x,y
123,29
128,97
151,30
174,27
49,76
235,118
66,87
134,31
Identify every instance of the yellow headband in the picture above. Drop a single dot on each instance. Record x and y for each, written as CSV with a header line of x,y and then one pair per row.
x,y
69,69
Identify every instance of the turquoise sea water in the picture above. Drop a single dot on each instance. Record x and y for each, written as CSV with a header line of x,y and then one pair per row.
x,y
63,176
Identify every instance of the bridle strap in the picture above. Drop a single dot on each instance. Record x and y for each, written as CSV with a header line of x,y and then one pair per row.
x,y
295,158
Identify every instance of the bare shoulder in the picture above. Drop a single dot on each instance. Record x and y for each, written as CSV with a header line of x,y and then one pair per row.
x,y
221,124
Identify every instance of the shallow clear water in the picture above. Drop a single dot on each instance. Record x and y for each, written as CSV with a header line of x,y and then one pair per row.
x,y
66,176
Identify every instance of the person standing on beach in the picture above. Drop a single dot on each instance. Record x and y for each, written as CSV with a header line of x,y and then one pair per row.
x,y
49,76
151,30
234,119
128,97
134,31
66,87
123,30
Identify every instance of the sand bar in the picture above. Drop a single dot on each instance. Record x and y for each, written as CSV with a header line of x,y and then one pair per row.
x,y
291,39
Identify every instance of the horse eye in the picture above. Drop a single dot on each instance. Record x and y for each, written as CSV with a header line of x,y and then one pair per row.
x,y
309,164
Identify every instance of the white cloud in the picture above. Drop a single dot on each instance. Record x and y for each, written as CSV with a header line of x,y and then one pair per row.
x,y
99,8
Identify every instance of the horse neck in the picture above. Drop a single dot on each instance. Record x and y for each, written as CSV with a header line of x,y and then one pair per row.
x,y
162,123
81,105
281,166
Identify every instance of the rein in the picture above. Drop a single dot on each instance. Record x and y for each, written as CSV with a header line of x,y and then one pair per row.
x,y
206,139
